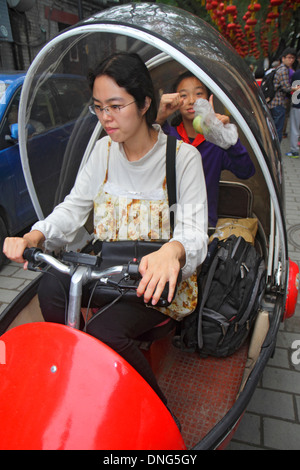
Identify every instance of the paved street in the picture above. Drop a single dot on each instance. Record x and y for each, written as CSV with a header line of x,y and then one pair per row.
x,y
272,420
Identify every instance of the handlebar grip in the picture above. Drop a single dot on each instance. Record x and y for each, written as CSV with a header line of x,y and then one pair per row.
x,y
133,271
29,254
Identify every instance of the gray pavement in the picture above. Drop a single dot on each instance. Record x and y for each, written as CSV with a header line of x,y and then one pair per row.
x,y
272,419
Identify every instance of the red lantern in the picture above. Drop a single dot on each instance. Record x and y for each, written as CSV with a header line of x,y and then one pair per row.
x,y
231,10
272,15
251,21
231,26
276,3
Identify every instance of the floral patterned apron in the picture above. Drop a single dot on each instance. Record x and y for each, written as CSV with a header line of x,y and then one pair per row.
x,y
128,217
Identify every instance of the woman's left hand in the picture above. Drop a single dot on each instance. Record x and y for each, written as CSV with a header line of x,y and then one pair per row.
x,y
158,268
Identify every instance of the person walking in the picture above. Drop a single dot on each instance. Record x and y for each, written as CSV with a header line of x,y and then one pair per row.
x,y
283,87
295,115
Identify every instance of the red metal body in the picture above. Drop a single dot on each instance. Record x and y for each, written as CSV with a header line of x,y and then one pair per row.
x,y
67,390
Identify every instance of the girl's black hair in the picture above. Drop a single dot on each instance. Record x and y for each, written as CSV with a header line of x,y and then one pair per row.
x,y
129,72
177,119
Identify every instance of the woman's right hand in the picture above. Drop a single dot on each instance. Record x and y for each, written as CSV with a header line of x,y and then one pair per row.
x,y
13,247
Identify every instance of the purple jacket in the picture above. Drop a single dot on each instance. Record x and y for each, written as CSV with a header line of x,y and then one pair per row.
x,y
215,159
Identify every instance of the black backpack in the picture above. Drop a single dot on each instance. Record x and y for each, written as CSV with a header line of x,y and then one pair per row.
x,y
232,282
267,85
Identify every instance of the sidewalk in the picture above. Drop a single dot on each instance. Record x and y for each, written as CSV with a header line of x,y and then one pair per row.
x,y
13,279
272,419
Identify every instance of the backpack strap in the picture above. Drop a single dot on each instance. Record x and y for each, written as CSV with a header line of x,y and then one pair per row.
x,y
171,174
205,293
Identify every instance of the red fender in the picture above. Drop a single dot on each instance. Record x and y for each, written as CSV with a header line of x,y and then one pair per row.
x,y
292,290
63,389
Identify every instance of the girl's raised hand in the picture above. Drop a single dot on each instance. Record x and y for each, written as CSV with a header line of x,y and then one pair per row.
x,y
222,117
169,103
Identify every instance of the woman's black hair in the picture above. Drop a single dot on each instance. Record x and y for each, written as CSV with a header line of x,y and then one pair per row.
x,y
129,72
177,119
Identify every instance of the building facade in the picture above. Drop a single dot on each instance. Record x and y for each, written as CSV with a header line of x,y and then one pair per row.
x,y
27,25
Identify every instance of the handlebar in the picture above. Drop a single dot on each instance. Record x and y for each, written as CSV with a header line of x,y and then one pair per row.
x,y
35,256
83,268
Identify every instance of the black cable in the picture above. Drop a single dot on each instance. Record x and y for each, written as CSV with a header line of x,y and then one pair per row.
x,y
103,309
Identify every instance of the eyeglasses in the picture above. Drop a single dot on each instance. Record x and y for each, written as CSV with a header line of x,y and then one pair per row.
x,y
109,110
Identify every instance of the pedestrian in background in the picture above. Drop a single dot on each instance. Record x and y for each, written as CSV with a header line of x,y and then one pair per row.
x,y
283,88
295,114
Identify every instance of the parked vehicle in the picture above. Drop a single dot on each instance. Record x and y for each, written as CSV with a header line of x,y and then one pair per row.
x,y
58,103
62,389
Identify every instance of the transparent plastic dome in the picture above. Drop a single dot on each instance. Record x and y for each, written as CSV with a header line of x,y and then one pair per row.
x,y
169,40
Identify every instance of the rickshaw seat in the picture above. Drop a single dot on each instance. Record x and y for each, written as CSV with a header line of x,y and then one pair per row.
x,y
235,200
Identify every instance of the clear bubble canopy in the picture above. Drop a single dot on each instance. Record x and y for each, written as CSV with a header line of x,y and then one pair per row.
x,y
169,40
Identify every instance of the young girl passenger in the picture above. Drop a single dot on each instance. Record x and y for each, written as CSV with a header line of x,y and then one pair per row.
x,y
127,169
187,89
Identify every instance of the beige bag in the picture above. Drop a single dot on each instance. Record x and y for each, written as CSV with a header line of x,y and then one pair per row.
x,y
245,228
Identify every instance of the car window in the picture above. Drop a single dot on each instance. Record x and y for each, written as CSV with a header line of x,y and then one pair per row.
x,y
3,88
10,117
44,113
73,95
57,103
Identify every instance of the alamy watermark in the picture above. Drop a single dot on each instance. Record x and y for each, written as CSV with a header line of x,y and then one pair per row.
x,y
2,352
296,354
296,94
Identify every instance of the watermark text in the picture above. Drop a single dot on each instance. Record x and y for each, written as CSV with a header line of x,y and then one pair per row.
x,y
2,352
296,354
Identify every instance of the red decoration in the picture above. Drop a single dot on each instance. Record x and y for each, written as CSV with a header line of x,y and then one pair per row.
x,y
231,9
276,3
257,29
251,21
273,15
254,7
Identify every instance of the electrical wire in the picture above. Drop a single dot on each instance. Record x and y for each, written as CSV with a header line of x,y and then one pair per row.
x,y
117,286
